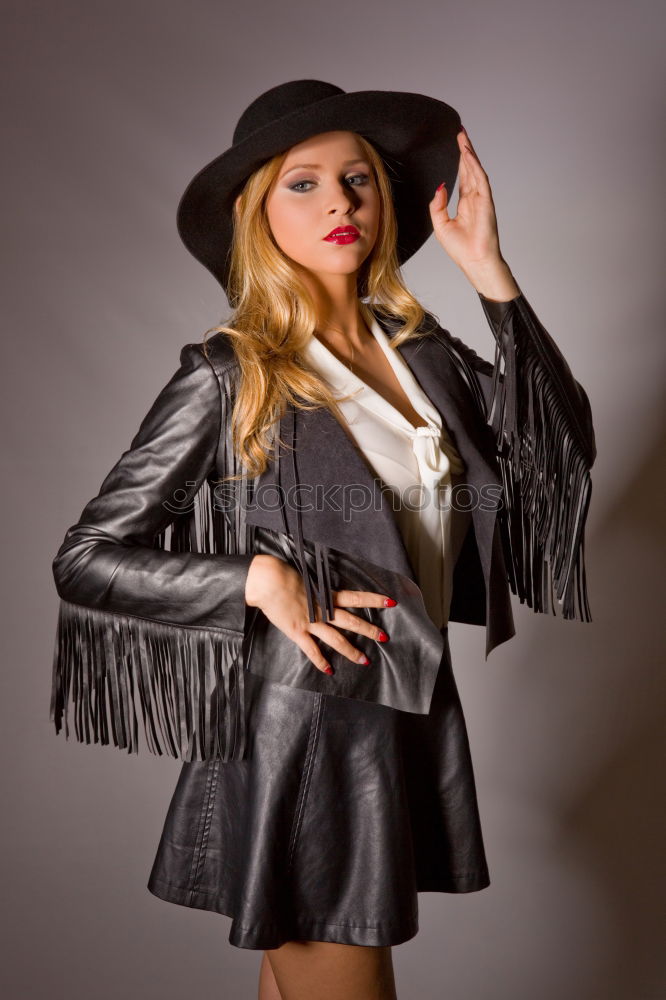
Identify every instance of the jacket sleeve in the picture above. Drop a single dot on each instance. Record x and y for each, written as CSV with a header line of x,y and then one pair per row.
x,y
138,623
541,421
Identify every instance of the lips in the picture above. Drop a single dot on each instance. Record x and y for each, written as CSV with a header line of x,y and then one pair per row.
x,y
343,234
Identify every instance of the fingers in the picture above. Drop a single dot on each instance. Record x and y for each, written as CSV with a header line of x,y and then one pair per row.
x,y
361,599
440,202
472,175
337,641
306,642
467,177
463,169
353,623
328,631
304,634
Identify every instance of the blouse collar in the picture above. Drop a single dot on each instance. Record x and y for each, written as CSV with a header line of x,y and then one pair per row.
x,y
344,382
431,443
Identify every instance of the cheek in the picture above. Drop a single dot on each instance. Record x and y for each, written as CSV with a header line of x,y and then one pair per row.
x,y
279,216
287,221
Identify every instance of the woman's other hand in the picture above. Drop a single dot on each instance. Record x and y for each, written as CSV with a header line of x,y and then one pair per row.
x,y
277,589
471,238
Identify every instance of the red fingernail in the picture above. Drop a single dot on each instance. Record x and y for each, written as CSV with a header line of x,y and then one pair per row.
x,y
389,602
365,661
382,637
329,670
441,186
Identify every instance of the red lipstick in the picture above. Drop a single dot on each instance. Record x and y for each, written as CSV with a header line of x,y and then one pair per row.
x,y
343,234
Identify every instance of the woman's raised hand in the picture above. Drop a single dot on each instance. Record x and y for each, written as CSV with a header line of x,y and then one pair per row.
x,y
472,235
277,589
471,239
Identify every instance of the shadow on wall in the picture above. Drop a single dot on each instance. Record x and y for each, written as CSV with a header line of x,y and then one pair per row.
x,y
599,739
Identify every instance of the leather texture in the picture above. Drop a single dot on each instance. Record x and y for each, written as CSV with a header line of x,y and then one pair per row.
x,y
108,560
311,807
341,814
404,670
128,602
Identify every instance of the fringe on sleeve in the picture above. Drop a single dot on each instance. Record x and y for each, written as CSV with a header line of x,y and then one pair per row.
x,y
186,681
545,448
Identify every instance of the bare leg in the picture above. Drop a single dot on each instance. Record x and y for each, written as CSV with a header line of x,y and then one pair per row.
x,y
331,971
268,988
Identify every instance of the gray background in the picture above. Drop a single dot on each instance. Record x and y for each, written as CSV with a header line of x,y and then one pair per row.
x,y
110,110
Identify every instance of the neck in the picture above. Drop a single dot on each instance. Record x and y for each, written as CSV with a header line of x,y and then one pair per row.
x,y
340,317
352,334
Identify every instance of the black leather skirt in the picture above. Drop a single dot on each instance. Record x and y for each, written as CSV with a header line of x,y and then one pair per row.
x,y
343,811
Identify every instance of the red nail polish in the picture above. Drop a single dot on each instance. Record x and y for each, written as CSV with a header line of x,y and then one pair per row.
x,y
441,186
365,661
382,637
389,602
329,670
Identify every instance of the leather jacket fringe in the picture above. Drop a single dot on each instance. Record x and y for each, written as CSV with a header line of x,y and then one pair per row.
x,y
160,623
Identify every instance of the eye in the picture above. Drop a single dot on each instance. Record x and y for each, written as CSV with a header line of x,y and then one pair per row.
x,y
363,178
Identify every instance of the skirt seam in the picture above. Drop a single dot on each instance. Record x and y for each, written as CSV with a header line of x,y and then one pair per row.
x,y
208,818
194,873
313,740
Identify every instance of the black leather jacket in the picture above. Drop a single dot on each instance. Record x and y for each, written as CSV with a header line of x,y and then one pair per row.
x,y
163,625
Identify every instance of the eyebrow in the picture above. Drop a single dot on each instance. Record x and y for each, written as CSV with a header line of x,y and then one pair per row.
x,y
316,166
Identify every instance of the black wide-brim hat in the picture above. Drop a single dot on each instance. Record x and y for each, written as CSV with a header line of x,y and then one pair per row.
x,y
414,134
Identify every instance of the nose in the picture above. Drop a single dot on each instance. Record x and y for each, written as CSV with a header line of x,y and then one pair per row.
x,y
342,199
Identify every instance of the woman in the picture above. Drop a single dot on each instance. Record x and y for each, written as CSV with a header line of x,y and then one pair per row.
x,y
295,655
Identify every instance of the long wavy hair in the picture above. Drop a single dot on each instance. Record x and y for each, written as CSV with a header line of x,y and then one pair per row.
x,y
274,314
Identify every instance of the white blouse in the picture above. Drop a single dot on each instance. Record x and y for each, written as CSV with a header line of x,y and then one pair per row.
x,y
419,465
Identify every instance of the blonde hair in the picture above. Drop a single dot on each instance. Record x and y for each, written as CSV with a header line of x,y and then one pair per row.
x,y
274,315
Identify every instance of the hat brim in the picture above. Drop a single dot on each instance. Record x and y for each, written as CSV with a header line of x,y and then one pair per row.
x,y
414,134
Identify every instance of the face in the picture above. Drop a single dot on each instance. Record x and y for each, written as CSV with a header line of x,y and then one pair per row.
x,y
325,183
